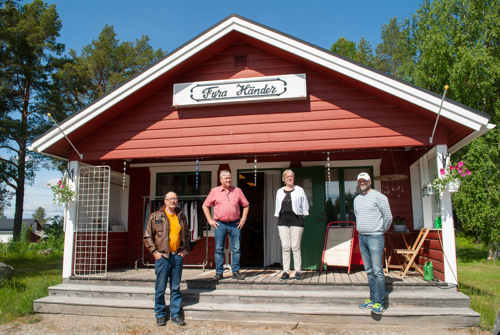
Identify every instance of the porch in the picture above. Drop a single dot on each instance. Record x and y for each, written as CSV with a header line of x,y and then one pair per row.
x,y
329,297
258,278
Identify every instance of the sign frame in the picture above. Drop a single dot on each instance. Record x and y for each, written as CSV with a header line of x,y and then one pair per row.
x,y
329,229
287,87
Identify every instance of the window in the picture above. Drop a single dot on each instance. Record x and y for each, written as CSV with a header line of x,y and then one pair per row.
x,y
183,183
341,191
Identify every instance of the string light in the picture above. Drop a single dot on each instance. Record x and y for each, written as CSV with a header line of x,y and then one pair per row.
x,y
197,161
124,171
255,171
328,169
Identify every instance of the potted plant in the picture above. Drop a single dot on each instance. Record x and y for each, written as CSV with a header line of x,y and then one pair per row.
x,y
399,223
62,192
449,178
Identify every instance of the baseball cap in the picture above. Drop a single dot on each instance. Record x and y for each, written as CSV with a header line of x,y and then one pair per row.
x,y
363,175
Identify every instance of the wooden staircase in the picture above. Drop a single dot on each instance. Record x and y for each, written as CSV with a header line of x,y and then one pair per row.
x,y
326,298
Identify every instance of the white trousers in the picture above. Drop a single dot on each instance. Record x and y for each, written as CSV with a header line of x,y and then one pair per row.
x,y
291,237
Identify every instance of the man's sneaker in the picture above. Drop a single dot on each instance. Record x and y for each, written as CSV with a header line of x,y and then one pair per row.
x,y
237,275
217,277
161,322
285,276
367,305
377,308
297,276
178,321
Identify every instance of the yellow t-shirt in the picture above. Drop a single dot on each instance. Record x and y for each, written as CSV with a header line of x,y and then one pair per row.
x,y
175,229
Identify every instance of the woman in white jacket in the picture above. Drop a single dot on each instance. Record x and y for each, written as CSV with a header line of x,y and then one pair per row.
x,y
291,208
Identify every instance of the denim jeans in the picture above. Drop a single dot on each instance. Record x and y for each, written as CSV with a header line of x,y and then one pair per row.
x,y
372,247
234,233
168,269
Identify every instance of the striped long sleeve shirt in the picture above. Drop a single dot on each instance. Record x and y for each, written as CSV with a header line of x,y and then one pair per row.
x,y
373,214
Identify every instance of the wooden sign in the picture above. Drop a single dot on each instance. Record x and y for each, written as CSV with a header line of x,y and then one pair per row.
x,y
338,246
241,90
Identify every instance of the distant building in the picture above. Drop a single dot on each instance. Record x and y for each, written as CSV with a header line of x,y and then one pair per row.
x,y
7,229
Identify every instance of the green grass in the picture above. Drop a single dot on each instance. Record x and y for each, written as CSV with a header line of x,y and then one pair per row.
x,y
479,279
33,274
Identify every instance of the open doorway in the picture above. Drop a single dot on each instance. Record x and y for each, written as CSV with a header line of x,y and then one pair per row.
x,y
252,234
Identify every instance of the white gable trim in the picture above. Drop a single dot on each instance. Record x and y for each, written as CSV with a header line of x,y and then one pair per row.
x,y
386,84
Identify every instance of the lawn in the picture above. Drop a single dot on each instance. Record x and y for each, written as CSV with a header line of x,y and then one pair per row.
x,y
33,274
479,279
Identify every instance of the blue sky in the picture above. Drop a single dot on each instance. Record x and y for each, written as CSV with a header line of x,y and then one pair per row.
x,y
169,24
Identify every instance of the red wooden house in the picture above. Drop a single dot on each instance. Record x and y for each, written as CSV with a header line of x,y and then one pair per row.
x,y
245,97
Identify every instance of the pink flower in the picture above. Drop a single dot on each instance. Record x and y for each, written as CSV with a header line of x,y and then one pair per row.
x,y
62,186
442,172
451,167
456,167
460,170
462,174
468,172
59,182
460,164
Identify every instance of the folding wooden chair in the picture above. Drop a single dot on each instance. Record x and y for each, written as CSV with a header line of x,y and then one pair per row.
x,y
411,254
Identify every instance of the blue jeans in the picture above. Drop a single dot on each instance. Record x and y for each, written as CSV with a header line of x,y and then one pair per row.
x,y
372,247
234,233
165,269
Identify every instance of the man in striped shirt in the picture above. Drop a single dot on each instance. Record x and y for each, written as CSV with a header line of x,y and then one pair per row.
x,y
373,219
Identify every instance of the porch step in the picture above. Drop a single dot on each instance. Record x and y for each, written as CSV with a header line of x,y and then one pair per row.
x,y
263,312
248,296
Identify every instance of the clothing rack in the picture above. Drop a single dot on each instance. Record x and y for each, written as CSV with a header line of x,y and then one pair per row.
x,y
159,199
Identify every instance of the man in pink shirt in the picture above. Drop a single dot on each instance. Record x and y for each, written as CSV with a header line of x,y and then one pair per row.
x,y
226,200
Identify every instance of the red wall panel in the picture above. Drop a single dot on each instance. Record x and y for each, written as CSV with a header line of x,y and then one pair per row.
x,y
334,115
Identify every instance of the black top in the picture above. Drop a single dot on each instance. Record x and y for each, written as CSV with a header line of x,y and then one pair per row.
x,y
287,216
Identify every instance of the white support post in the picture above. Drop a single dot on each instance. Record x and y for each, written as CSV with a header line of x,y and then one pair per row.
x,y
448,226
426,202
69,223
416,195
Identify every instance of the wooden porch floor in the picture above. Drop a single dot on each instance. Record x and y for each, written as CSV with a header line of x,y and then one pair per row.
x,y
263,276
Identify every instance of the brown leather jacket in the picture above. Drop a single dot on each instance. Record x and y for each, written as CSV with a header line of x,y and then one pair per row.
x,y
157,235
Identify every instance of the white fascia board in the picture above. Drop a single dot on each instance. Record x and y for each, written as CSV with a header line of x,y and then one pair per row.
x,y
471,138
386,84
132,86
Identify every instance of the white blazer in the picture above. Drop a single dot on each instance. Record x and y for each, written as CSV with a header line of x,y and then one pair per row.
x,y
300,205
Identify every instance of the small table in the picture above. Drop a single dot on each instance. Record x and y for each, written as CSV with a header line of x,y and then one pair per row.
x,y
393,236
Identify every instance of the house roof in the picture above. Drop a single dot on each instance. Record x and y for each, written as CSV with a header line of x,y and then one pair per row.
x,y
235,27
8,224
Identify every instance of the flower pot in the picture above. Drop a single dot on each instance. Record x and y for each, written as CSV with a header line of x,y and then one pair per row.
x,y
400,227
452,186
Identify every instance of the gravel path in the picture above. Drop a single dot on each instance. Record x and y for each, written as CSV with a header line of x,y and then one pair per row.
x,y
79,324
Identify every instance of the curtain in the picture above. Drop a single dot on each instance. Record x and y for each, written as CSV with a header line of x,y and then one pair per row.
x,y
272,244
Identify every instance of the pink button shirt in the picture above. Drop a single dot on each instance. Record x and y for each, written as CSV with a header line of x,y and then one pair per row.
x,y
226,205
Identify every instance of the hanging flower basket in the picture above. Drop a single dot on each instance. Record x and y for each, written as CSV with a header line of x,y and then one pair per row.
x,y
452,186
449,178
62,192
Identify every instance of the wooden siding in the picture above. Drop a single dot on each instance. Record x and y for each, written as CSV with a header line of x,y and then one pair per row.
x,y
335,116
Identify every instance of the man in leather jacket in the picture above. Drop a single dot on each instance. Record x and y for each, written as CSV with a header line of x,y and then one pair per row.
x,y
167,238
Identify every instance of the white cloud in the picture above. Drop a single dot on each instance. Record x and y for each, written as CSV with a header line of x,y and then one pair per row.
x,y
53,181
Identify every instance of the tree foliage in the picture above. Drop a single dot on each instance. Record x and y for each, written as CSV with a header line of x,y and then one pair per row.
x,y
29,54
39,214
361,52
457,43
103,65
344,47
